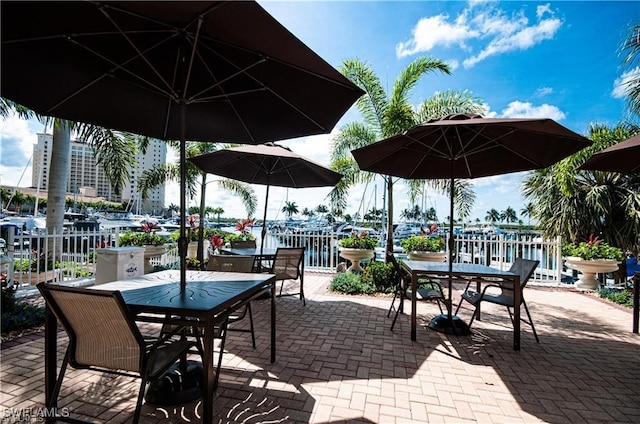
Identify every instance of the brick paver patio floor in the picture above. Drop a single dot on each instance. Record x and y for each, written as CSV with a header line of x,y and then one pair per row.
x,y
338,362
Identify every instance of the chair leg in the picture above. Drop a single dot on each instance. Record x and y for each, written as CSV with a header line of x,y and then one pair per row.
x,y
391,308
223,332
253,335
535,334
398,310
304,301
136,413
58,385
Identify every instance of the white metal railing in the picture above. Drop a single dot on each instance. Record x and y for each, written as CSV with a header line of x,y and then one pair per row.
x,y
24,260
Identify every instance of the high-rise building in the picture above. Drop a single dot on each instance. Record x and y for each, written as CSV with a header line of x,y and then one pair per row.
x,y
86,176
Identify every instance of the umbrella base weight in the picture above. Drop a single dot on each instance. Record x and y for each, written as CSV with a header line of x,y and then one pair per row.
x,y
449,325
175,386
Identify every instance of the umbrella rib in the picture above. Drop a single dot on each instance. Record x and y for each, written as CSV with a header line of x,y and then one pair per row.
x,y
140,55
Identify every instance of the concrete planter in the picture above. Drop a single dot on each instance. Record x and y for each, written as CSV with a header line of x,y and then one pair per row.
x,y
427,256
355,256
589,269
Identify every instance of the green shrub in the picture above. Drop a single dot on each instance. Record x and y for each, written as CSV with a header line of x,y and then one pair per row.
x,y
619,296
134,238
380,275
358,241
17,315
22,316
350,283
423,244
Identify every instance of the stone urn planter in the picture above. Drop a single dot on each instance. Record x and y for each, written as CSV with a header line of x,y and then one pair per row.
x,y
417,255
589,269
355,256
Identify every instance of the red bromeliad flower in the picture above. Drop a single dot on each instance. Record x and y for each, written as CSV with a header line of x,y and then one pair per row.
x,y
593,241
245,225
148,227
217,242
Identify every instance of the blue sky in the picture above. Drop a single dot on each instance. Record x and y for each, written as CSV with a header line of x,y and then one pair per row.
x,y
556,60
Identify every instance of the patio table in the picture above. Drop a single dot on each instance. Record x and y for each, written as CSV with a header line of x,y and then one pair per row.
x,y
209,296
462,272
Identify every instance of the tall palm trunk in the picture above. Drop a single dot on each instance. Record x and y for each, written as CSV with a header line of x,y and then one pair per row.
x,y
58,177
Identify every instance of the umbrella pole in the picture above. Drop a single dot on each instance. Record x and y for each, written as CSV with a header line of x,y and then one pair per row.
x,y
264,224
183,241
450,324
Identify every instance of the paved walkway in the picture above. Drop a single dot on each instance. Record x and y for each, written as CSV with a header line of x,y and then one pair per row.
x,y
338,362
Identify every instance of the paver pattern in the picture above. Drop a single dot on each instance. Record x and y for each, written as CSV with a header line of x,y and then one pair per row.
x,y
338,362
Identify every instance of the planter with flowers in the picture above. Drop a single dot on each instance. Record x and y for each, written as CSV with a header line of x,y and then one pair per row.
x,y
357,247
244,226
153,243
425,248
590,258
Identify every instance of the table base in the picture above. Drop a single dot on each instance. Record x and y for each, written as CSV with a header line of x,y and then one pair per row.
x,y
449,325
176,387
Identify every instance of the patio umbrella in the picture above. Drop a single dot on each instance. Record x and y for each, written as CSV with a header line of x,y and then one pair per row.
x,y
172,70
622,157
468,146
267,164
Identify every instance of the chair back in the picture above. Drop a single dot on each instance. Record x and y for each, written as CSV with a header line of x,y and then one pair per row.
x,y
101,331
243,244
287,263
230,263
524,268
631,266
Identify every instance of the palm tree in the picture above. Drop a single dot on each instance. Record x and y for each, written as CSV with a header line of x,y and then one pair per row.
x,y
492,216
385,115
111,147
290,209
218,211
160,174
575,204
321,209
528,211
509,215
631,48
306,212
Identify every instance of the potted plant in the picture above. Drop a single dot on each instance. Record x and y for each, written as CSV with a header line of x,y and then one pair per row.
x,y
357,247
590,258
424,248
153,243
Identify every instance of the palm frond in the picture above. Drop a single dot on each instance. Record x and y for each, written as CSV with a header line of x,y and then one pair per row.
x,y
244,191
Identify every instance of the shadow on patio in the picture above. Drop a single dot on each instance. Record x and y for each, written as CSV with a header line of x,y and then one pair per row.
x,y
338,361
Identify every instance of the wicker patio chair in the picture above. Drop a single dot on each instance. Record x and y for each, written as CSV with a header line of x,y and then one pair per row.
x,y
502,294
288,264
103,337
235,263
428,290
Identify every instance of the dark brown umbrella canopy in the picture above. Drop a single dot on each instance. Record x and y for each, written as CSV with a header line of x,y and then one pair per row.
x,y
129,66
470,147
622,157
266,164
172,70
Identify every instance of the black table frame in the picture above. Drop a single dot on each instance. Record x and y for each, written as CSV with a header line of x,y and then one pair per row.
x,y
462,272
159,293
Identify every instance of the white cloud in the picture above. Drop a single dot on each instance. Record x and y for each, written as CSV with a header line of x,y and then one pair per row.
x,y
543,91
16,148
487,26
622,84
433,31
517,109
